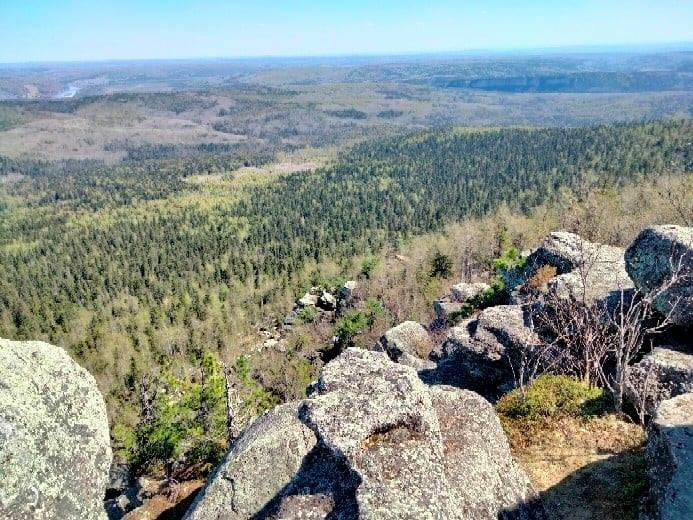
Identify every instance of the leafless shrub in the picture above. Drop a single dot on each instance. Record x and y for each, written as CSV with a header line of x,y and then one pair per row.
x,y
598,342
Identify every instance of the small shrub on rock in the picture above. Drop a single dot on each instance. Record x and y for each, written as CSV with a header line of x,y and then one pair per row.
x,y
552,396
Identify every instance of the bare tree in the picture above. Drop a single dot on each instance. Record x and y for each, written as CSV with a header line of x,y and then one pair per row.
x,y
634,320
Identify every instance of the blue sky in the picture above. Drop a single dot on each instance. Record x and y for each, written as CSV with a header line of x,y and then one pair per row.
x,y
52,30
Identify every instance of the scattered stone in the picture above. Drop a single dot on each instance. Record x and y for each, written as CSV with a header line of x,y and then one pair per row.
x,y
308,300
55,452
653,257
661,375
346,296
670,461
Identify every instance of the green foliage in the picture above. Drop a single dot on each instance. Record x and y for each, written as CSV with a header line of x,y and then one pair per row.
x,y
373,309
495,295
255,398
368,265
350,325
188,419
441,265
552,396
307,314
510,259
132,261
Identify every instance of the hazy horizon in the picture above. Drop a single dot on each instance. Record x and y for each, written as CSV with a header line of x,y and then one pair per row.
x,y
156,30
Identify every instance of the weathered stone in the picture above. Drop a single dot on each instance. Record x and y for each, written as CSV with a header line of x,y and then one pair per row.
x,y
661,375
565,251
308,300
653,257
445,308
346,296
388,447
258,467
462,292
477,459
406,340
327,301
55,450
477,353
585,271
670,460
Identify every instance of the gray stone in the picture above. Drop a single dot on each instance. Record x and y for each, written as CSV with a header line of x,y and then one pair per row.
x,y
462,292
477,459
651,259
327,301
408,339
585,271
445,308
308,300
387,446
670,461
261,463
661,375
55,450
346,296
477,354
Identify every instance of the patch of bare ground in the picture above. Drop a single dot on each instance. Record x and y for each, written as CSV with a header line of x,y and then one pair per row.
x,y
170,504
583,468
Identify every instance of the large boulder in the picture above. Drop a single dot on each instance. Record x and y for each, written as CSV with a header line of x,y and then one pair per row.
x,y
653,257
670,461
408,343
480,353
661,375
55,450
463,292
585,271
260,464
372,442
346,296
460,296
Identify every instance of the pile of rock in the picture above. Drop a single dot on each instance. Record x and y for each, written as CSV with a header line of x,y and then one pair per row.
x,y
326,305
409,344
477,354
372,442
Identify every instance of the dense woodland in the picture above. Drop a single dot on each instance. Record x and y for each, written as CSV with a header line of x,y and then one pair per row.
x,y
141,274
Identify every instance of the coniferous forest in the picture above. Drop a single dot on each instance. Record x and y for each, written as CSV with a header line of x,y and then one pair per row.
x,y
140,273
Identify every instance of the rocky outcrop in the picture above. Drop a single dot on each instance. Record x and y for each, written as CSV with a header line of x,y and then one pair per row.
x,y
670,461
346,296
477,354
463,292
653,257
54,441
372,442
460,294
661,375
407,343
584,271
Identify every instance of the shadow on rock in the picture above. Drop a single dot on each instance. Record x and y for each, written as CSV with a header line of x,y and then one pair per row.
x,y
322,484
